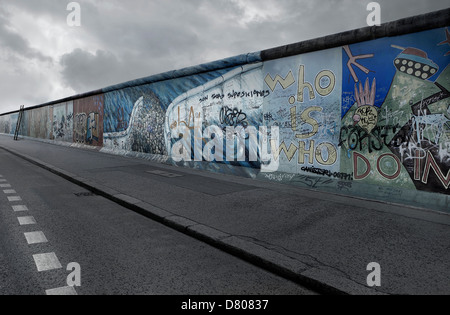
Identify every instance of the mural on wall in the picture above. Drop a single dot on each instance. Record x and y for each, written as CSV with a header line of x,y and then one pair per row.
x,y
88,120
62,122
135,117
231,104
395,126
372,114
305,103
143,132
5,124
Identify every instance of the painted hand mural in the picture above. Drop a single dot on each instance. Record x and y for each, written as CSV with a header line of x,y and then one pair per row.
x,y
407,141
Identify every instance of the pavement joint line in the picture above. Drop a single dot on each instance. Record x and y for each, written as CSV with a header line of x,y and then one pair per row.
x,y
14,199
50,261
35,238
46,262
62,291
20,208
27,220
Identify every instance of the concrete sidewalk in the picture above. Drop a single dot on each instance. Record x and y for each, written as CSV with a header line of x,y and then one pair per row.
x,y
314,238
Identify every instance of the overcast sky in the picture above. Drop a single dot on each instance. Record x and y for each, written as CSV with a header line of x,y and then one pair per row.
x,y
43,59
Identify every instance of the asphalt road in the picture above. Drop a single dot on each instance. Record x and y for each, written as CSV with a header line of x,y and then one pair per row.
x,y
118,251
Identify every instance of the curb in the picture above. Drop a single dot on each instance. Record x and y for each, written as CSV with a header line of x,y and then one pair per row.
x,y
320,278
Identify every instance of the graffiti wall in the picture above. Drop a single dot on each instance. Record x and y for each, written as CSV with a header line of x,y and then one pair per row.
x,y
305,103
88,120
220,112
5,124
370,119
62,122
135,117
395,114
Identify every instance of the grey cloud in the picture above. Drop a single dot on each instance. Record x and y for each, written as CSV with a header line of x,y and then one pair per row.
x,y
16,43
84,71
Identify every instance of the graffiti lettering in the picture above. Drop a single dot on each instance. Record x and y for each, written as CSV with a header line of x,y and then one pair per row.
x,y
307,119
420,107
381,171
86,128
437,122
279,177
190,123
328,173
313,182
345,185
357,158
236,95
268,117
251,94
324,84
79,128
285,83
354,136
431,164
233,117
323,149
218,96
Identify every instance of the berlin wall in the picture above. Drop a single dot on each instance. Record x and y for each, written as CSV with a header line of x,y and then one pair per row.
x,y
364,113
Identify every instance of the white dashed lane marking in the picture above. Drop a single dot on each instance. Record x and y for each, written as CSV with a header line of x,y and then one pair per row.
x,y
26,220
35,238
62,291
47,262
20,208
44,262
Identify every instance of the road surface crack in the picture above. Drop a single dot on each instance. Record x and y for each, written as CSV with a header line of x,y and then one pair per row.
x,y
294,255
